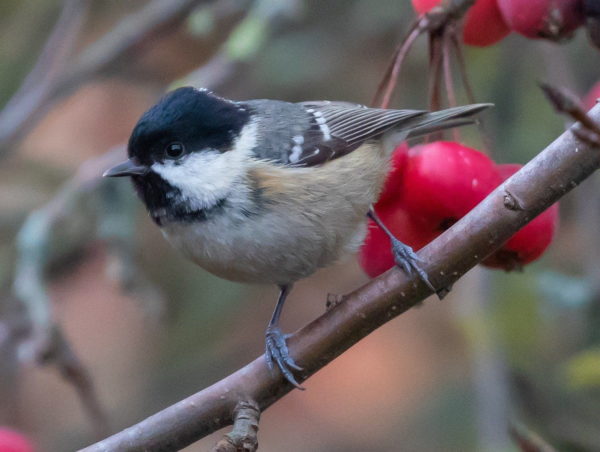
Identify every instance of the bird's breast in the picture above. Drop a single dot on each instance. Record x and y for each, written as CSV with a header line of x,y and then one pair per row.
x,y
285,223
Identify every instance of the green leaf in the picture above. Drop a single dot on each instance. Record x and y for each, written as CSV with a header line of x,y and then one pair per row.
x,y
583,370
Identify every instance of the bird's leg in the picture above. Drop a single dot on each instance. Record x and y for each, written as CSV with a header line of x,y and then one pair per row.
x,y
276,349
404,256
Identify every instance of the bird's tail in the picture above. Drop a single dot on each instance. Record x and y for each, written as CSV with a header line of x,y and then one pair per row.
x,y
434,121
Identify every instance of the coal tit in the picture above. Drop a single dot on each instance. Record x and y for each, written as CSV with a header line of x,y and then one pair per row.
x,y
265,191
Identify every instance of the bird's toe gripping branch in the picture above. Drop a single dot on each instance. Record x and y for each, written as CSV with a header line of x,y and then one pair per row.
x,y
407,260
404,255
277,353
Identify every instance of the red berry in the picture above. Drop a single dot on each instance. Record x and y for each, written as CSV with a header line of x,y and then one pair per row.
x,y
375,255
552,19
12,441
443,180
531,241
422,6
591,98
483,25
393,181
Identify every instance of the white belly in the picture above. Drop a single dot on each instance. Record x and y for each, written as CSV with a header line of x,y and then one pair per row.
x,y
265,250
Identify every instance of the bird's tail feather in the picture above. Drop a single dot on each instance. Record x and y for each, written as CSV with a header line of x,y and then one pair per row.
x,y
444,119
434,121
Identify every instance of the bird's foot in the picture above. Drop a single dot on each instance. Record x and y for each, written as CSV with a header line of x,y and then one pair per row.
x,y
407,260
277,353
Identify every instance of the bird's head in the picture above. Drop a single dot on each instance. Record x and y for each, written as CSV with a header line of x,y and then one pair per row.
x,y
186,152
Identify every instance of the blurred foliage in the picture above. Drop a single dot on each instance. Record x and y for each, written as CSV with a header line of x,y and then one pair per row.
x,y
583,370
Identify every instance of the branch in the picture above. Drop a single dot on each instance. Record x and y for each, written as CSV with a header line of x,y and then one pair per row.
x,y
131,34
555,171
243,437
528,441
564,102
45,342
49,64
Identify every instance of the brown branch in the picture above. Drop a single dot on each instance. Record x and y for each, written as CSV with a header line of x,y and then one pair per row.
x,y
555,171
45,343
243,437
49,64
59,352
131,34
528,441
567,103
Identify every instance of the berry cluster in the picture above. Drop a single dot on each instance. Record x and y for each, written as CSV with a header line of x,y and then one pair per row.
x,y
432,186
488,21
429,188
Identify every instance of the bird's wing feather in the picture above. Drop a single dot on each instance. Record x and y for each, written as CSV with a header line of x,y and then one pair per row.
x,y
338,128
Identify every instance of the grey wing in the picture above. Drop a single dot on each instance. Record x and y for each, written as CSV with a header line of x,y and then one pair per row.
x,y
338,128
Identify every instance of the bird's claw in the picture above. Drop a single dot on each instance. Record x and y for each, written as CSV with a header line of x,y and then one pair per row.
x,y
407,259
277,353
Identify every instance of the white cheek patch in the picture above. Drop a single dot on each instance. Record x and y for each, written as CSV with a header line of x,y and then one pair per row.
x,y
206,177
247,139
203,177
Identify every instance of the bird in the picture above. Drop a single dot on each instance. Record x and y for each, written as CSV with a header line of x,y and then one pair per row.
x,y
267,191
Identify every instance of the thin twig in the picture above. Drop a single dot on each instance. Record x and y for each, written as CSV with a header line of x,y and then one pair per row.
x,y
244,435
46,342
60,353
567,103
434,21
130,35
388,83
488,368
464,76
448,79
50,63
12,330
528,441
462,69
435,66
554,172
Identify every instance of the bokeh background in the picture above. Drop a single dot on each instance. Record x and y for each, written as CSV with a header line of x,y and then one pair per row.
x,y
150,328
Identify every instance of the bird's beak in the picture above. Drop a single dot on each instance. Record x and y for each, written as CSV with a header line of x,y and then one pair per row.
x,y
129,167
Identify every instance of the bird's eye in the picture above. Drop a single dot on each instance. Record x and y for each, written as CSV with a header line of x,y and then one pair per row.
x,y
174,150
